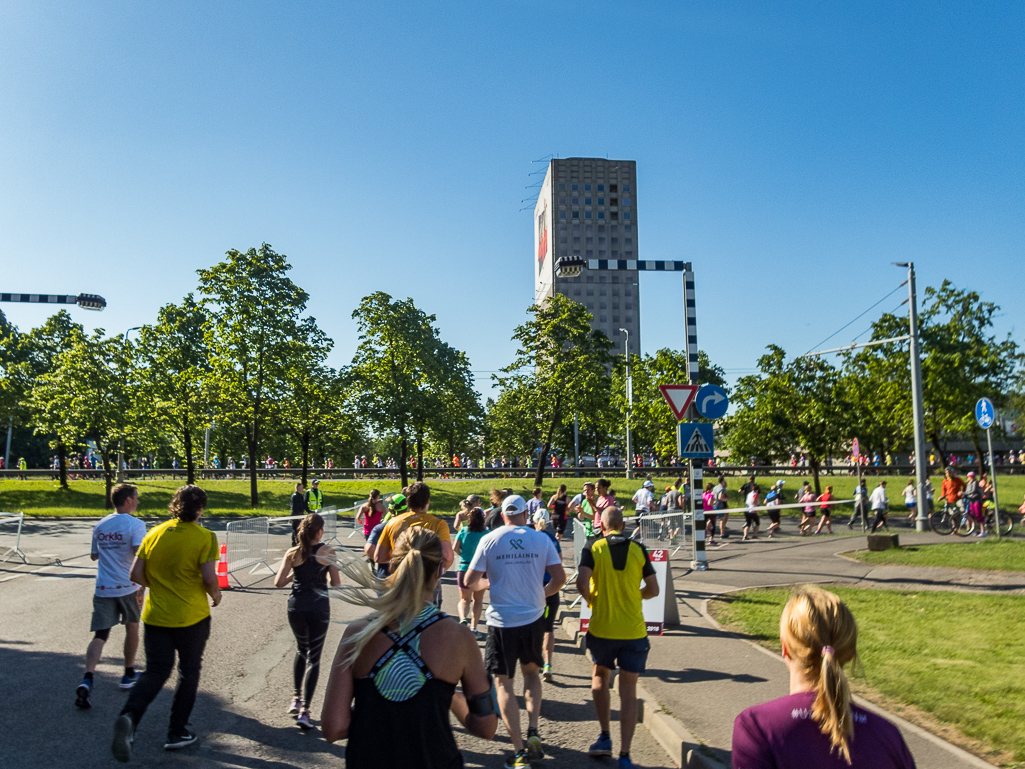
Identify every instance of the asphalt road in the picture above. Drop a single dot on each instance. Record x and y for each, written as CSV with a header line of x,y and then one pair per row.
x,y
246,684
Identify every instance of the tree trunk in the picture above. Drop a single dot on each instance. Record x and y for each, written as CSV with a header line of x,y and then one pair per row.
x,y
419,456
939,450
252,445
813,463
305,441
546,446
62,464
979,468
190,465
108,478
403,454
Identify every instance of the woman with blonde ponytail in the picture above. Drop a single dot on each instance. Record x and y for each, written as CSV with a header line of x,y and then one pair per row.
x,y
817,726
307,566
401,664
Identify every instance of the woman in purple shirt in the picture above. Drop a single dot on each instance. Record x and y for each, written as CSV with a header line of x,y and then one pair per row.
x,y
816,726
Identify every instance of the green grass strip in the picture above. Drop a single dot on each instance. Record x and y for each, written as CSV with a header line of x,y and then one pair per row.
x,y
988,555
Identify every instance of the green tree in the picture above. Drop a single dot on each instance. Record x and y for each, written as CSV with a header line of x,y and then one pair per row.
x,y
255,311
458,416
559,361
172,384
399,374
88,395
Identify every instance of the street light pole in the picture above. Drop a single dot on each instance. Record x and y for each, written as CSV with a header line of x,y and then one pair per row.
x,y
922,521
629,406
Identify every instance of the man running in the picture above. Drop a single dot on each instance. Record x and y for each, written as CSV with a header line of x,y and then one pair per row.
x,y
117,599
643,498
608,577
515,558
177,561
879,503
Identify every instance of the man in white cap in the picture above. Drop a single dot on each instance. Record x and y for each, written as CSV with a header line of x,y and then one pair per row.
x,y
644,497
515,557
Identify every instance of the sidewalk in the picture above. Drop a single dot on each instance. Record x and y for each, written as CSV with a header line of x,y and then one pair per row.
x,y
705,676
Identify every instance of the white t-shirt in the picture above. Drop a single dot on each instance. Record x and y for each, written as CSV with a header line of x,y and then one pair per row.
x,y
752,498
515,559
878,499
643,499
909,495
113,540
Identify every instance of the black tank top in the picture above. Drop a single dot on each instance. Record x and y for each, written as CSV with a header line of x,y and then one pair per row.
x,y
421,721
309,585
560,507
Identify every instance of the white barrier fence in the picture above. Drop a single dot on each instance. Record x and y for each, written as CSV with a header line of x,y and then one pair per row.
x,y
667,531
248,545
13,519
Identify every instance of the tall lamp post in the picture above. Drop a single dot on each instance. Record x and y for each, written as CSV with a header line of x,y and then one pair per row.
x,y
922,521
629,407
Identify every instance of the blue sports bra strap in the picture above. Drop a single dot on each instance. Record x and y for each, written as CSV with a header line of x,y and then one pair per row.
x,y
403,644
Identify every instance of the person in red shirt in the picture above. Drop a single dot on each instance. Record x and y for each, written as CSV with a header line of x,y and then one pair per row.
x,y
953,487
825,510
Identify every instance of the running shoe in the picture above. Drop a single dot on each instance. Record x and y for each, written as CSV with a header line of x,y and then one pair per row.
x,y
304,721
127,682
295,706
625,762
82,694
603,747
517,761
535,752
179,741
546,672
124,736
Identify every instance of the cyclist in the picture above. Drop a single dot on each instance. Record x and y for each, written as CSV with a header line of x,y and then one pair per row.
x,y
952,489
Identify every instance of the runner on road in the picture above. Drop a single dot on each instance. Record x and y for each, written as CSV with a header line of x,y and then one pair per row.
x,y
299,508
177,561
515,558
557,505
860,506
879,503
825,511
471,602
307,566
116,598
774,499
371,512
608,576
752,521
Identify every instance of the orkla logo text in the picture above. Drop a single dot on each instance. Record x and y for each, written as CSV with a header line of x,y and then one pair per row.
x,y
115,537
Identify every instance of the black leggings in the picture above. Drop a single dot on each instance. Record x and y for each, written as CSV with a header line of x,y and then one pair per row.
x,y
310,629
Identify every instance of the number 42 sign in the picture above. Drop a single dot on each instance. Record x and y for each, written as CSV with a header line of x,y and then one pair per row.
x,y
654,609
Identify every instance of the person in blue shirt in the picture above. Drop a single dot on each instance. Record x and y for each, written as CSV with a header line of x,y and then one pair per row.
x,y
471,602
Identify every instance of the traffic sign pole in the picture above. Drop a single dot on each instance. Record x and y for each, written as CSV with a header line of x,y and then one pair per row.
x,y
986,415
699,561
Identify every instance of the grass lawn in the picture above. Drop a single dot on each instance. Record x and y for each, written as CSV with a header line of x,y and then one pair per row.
x,y
39,497
989,554
958,657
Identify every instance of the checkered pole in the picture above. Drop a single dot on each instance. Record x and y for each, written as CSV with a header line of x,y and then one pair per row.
x,y
699,562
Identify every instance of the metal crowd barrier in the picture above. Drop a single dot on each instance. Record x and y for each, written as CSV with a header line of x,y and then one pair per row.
x,y
248,545
667,531
15,551
330,516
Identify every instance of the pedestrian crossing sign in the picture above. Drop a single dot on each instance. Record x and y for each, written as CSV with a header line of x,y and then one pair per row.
x,y
694,440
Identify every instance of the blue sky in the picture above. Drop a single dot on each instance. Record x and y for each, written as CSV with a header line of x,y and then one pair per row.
x,y
791,153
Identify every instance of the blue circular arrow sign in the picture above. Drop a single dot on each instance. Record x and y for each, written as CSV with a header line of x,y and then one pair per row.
x,y
984,413
711,402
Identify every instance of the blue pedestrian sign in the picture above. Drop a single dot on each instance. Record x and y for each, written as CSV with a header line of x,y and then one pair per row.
x,y
711,402
984,413
694,440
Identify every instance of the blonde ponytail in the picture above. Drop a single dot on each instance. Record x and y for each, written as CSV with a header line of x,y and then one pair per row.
x,y
821,636
400,597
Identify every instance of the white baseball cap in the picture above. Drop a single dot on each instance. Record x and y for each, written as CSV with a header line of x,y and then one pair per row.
x,y
649,484
541,516
514,504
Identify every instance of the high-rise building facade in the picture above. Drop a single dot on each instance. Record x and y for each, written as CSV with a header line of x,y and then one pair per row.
x,y
588,208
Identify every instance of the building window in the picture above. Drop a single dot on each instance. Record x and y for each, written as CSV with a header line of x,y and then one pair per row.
x,y
626,214
576,252
615,241
628,241
562,214
576,187
562,188
602,319
576,214
601,214
576,240
603,278
576,201
590,292
615,292
590,279
628,319
562,201
601,252
626,201
615,277
601,240
613,215
590,240
615,332
587,214
615,253
613,201
601,188
602,306
587,201
615,319
576,292
613,188
587,188
590,253
615,305
628,254
615,227
626,188
601,228
601,201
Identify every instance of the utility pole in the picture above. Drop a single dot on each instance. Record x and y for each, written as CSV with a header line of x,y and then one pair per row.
x,y
7,451
576,442
629,406
922,521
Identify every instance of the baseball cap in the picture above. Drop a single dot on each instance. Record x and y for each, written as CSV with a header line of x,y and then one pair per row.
x,y
541,516
398,503
649,484
971,475
514,504
315,482
779,483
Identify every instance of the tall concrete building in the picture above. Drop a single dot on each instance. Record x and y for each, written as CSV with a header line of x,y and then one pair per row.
x,y
588,208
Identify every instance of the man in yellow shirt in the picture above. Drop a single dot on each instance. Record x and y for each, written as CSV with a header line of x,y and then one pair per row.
x,y
608,576
177,561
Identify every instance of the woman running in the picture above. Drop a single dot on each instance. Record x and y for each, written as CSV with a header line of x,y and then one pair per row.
x,y
911,500
307,566
470,602
807,496
816,725
752,521
708,504
826,511
399,667
557,505
774,499
371,513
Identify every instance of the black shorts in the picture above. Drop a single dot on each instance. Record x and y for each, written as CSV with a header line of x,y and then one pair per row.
x,y
551,611
559,522
752,519
632,655
825,511
774,516
508,645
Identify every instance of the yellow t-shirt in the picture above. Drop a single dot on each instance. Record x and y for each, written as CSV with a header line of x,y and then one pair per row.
x,y
174,552
398,525
618,566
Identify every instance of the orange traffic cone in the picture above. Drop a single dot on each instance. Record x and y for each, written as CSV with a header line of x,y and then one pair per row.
x,y
222,568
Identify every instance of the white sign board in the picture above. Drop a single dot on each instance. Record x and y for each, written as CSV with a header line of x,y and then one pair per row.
x,y
654,608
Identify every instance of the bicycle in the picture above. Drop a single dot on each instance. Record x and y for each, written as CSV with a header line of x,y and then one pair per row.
x,y
945,521
1006,522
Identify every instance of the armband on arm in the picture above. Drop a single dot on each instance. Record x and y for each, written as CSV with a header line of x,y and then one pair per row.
x,y
485,703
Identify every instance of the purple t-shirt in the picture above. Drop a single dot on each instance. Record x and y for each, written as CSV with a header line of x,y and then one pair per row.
x,y
781,734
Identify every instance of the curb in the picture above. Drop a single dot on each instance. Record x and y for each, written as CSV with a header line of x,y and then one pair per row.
x,y
963,755
682,747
